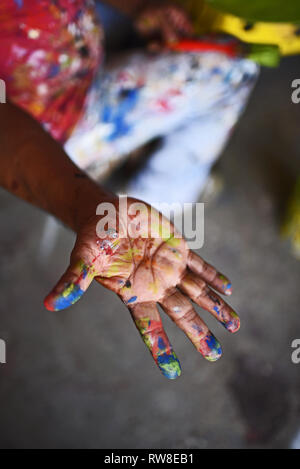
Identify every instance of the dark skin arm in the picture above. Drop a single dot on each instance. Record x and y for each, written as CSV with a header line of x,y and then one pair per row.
x,y
142,270
36,168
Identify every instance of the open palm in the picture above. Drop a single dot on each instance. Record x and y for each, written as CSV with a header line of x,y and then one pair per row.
x,y
147,264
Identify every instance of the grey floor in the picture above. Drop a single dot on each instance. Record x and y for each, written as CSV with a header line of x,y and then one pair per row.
x,y
83,379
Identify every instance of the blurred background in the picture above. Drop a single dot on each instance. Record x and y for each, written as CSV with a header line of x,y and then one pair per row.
x,y
82,378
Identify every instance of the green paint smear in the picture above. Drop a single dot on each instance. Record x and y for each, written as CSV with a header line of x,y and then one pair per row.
x,y
172,241
169,365
261,10
142,325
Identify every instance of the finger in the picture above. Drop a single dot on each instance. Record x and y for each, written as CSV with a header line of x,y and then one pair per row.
x,y
149,325
202,295
180,310
70,287
168,32
209,274
155,46
147,24
181,21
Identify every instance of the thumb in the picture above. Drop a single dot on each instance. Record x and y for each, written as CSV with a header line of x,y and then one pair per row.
x,y
70,288
154,46
169,33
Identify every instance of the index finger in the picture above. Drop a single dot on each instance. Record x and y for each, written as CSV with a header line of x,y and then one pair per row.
x,y
181,20
209,274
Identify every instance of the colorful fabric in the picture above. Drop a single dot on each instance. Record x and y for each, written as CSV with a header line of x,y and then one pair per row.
x,y
50,52
192,98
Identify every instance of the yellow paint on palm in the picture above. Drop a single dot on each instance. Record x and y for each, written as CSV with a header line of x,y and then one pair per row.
x,y
118,267
128,256
153,287
168,269
172,241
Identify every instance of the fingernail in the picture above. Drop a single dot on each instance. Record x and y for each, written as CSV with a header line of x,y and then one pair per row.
x,y
169,365
234,324
70,295
227,286
48,303
210,348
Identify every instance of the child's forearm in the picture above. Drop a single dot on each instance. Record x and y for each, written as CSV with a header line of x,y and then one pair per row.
x,y
35,167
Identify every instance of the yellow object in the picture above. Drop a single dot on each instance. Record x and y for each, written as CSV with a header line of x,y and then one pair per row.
x,y
291,226
207,19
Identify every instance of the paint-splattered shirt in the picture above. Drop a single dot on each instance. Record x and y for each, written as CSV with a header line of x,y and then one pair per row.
x,y
49,54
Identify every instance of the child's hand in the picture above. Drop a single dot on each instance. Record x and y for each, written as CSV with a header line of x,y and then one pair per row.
x,y
145,271
167,23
